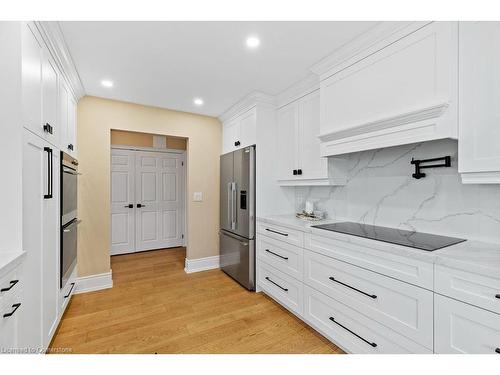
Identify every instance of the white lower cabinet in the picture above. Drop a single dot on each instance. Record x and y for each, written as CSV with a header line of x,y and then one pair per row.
x,y
462,328
398,306
40,241
352,330
11,306
282,287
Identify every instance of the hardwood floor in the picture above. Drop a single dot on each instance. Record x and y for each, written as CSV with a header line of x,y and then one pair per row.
x,y
155,307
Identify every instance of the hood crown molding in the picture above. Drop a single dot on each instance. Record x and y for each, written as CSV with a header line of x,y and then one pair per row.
x,y
53,37
249,101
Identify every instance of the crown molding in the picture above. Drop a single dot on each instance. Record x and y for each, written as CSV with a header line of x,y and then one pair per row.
x,y
365,44
298,90
409,117
249,101
53,37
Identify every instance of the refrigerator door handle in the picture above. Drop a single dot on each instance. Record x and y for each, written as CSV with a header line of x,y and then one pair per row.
x,y
229,202
235,208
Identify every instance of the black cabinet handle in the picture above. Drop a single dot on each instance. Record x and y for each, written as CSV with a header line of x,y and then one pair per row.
x,y
299,171
129,206
355,334
497,350
47,128
50,170
273,231
279,286
353,288
70,147
69,293
280,256
294,172
140,205
497,296
15,307
12,283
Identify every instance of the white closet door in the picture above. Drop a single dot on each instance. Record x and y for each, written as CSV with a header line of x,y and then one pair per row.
x,y
159,215
122,195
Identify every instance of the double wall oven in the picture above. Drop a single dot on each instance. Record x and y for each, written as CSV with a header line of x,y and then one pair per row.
x,y
69,216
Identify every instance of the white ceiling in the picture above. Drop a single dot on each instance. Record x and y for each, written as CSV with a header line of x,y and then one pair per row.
x,y
167,64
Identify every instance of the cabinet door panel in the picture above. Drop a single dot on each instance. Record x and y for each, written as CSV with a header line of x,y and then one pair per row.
x,y
230,136
63,115
31,81
71,132
479,92
310,161
288,119
50,99
247,125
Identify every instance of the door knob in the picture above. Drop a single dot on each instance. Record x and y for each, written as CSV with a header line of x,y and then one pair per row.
x,y
140,205
129,206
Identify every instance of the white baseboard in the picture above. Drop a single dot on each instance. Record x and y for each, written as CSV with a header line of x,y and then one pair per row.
x,y
201,264
94,282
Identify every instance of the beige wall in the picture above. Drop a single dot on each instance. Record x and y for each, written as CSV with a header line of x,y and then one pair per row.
x,y
96,118
126,138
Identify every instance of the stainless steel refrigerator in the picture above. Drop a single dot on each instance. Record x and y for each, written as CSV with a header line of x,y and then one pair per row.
x,y
237,215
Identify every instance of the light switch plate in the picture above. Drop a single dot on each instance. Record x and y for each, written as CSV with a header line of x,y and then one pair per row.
x,y
197,196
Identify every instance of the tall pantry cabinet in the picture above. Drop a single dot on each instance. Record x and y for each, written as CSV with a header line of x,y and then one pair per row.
x,y
48,118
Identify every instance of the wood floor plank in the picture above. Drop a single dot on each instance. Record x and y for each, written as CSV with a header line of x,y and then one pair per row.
x,y
155,307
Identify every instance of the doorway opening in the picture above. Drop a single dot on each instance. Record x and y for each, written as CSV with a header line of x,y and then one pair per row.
x,y
148,192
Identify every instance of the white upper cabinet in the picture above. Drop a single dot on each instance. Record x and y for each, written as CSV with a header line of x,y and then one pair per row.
x,y
479,93
298,145
240,131
31,80
70,145
50,121
404,92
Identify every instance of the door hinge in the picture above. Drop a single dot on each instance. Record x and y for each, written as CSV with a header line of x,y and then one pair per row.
x,y
182,163
182,236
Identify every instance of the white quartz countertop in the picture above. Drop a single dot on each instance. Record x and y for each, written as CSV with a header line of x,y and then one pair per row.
x,y
472,256
9,260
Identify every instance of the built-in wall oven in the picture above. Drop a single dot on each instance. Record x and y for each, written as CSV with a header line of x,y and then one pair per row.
x,y
69,216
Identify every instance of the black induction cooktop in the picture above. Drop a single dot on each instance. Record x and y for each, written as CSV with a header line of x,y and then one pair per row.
x,y
416,240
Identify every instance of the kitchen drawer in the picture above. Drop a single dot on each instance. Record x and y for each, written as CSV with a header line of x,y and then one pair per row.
x,y
469,287
9,325
285,289
402,307
351,330
12,282
462,328
292,236
283,256
373,255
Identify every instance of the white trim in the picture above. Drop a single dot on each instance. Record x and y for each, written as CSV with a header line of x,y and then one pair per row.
x,y
149,149
202,264
480,177
365,44
247,103
408,117
92,283
51,33
298,90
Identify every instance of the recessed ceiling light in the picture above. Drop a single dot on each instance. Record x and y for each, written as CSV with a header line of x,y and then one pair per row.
x,y
253,42
107,83
198,101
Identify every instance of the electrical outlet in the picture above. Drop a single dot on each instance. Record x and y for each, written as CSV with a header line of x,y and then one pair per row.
x,y
197,196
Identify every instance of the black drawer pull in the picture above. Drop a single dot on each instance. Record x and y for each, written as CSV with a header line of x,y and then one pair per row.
x,y
353,288
12,283
355,334
280,256
273,231
69,293
497,350
15,307
497,296
279,286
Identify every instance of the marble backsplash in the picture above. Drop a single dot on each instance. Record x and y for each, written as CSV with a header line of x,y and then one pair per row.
x,y
381,191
